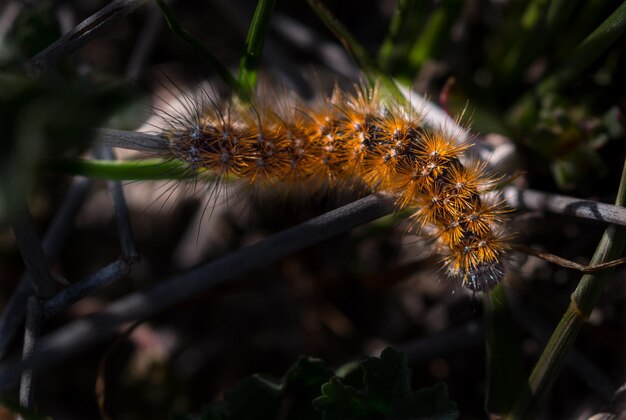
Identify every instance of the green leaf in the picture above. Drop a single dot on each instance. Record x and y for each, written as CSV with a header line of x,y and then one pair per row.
x,y
250,61
385,392
371,389
47,118
262,397
34,28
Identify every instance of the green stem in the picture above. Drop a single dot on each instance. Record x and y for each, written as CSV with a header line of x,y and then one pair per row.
x,y
123,170
583,300
251,59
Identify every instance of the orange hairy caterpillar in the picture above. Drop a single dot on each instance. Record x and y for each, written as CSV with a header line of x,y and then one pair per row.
x,y
365,138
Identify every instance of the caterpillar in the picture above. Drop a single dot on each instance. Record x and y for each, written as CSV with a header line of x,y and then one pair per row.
x,y
361,137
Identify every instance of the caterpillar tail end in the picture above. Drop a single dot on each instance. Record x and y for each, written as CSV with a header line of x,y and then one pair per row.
x,y
484,278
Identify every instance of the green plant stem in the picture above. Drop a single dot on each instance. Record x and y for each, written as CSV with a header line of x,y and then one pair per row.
x,y
249,64
583,300
123,170
219,68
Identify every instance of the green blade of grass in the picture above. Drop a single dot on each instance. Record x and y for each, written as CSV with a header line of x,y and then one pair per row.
x,y
123,170
219,68
588,51
249,65
505,370
583,300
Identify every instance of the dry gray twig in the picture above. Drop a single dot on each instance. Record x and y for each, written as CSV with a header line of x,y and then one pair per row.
x,y
32,253
142,142
12,317
139,305
560,204
81,34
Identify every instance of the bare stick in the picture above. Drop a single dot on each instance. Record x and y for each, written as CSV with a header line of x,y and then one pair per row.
x,y
560,204
72,294
131,140
12,317
32,253
81,34
139,305
122,218
31,334
567,263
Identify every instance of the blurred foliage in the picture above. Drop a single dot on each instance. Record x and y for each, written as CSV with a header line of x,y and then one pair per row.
x,y
35,27
374,388
48,117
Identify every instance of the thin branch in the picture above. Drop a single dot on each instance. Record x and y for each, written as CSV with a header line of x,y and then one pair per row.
x,y
72,294
560,204
54,239
81,34
32,253
122,218
31,335
131,140
139,305
555,259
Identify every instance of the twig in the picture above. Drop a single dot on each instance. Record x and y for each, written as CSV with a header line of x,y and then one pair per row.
x,y
81,34
72,294
122,218
585,209
131,140
53,241
31,335
567,263
139,305
32,253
